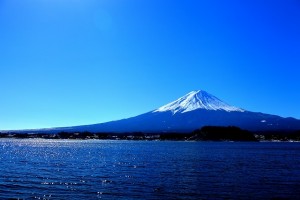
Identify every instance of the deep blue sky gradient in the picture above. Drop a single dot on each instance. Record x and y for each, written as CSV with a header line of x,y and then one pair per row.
x,y
66,62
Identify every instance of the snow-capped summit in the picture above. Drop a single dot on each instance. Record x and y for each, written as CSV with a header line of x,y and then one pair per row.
x,y
197,99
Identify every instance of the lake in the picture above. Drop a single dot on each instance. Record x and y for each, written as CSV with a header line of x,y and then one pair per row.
x,y
94,169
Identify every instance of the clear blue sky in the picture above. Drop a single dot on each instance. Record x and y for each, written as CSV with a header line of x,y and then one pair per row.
x,y
66,62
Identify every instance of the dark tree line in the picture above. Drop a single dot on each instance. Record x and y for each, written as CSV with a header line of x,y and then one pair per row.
x,y
218,133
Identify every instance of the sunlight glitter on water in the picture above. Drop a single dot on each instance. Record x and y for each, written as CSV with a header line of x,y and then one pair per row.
x,y
89,169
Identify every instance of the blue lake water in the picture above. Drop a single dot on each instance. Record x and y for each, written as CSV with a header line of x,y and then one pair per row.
x,y
94,169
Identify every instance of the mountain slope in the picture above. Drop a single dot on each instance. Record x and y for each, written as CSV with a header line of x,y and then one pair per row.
x,y
192,111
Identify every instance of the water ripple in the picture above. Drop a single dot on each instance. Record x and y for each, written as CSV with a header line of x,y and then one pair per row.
x,y
92,169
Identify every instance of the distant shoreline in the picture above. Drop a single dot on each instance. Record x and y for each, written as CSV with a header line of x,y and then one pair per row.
x,y
207,133
156,140
195,136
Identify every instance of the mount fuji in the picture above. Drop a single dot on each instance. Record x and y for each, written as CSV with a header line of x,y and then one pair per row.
x,y
192,111
197,100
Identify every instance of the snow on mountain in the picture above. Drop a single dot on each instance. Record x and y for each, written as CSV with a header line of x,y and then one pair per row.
x,y
197,99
